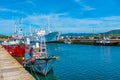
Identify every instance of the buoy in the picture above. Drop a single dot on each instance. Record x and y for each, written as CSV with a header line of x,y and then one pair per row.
x,y
32,59
23,58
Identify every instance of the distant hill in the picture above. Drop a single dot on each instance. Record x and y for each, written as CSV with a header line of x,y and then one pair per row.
x,y
117,31
3,36
77,34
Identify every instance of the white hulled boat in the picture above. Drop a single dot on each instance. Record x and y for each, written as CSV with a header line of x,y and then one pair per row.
x,y
49,36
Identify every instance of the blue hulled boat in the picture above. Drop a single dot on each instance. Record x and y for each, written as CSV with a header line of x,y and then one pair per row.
x,y
36,57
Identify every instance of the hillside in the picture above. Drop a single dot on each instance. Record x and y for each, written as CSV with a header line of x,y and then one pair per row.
x,y
117,31
3,36
77,34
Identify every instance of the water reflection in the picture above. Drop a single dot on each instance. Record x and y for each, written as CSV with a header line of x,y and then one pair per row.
x,y
106,54
38,76
53,49
53,46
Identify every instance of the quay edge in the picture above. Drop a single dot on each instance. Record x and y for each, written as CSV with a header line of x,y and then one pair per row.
x,y
87,41
10,69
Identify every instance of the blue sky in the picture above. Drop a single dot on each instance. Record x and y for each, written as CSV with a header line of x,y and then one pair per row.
x,y
80,16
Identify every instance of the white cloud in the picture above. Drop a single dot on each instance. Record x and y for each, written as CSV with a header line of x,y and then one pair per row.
x,y
11,10
65,24
30,2
6,26
116,18
88,8
84,6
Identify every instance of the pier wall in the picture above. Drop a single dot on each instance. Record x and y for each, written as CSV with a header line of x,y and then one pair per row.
x,y
10,69
87,41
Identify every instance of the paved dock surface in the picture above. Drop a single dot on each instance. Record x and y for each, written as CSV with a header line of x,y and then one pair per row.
x,y
10,69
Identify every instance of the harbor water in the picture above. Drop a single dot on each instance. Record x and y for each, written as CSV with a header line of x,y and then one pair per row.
x,y
83,62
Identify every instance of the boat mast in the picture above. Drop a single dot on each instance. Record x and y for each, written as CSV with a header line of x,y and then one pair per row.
x,y
30,29
48,24
42,44
15,31
20,28
45,46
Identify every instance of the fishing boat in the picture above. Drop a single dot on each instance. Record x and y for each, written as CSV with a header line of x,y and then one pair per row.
x,y
105,43
49,36
67,41
15,47
15,44
36,57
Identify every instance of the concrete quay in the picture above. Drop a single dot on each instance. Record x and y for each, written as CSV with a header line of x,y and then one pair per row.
x,y
10,69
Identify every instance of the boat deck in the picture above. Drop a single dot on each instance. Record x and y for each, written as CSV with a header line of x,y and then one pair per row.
x,y
10,69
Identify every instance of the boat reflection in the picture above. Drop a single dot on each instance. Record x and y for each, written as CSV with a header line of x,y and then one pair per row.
x,y
38,76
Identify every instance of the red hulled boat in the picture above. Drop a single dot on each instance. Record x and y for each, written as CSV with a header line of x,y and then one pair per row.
x,y
15,46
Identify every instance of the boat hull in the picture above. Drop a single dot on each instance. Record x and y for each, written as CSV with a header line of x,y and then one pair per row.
x,y
42,66
49,38
16,50
107,44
